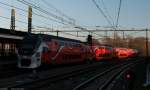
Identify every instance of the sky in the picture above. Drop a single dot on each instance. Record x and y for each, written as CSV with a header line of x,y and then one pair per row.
x,y
133,14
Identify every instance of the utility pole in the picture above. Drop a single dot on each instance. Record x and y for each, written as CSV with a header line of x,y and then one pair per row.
x,y
12,25
57,33
89,39
29,19
77,33
114,40
147,47
106,34
123,37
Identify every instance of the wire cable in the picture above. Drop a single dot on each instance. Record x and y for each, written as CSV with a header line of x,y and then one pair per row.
x,y
106,10
57,11
102,12
118,15
45,17
46,12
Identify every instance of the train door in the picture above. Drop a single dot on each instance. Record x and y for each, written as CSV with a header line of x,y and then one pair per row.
x,y
46,55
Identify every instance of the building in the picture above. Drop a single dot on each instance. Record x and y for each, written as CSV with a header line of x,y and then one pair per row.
x,y
9,40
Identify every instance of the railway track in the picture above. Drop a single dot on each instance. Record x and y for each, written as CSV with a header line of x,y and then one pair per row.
x,y
55,78
10,69
104,80
52,75
79,82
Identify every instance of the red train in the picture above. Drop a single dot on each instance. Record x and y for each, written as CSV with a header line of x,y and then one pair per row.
x,y
123,53
39,49
103,52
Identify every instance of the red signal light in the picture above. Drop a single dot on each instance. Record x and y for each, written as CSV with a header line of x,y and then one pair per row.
x,y
129,75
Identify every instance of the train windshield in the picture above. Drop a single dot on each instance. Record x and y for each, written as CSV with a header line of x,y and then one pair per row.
x,y
107,47
28,45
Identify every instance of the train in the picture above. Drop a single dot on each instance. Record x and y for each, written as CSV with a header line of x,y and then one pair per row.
x,y
36,50
104,52
123,53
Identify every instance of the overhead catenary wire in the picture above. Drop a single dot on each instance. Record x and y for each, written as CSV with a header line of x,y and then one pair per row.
x,y
58,11
53,15
45,17
40,16
26,16
102,12
19,21
118,14
47,13
37,26
117,21
106,10
33,25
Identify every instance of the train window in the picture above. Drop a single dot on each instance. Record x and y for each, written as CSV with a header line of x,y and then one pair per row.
x,y
56,43
62,43
45,50
67,44
72,44
0,46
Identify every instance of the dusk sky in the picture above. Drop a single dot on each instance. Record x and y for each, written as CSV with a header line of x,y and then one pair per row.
x,y
134,13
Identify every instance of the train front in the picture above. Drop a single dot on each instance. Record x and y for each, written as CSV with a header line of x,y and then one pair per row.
x,y
29,53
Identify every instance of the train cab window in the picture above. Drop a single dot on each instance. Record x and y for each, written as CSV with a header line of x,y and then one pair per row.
x,y
68,44
56,43
65,44
101,48
45,50
62,43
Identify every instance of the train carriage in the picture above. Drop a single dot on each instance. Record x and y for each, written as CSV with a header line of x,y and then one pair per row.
x,y
124,53
103,52
40,48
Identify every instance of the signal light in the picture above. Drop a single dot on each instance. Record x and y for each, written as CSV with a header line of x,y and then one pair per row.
x,y
129,75
89,39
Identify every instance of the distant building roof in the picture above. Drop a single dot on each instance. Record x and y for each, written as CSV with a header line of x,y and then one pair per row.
x,y
8,31
9,34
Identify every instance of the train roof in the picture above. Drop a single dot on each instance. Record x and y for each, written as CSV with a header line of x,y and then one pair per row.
x,y
46,37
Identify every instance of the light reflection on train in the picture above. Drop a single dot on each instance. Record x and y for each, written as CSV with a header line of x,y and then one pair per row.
x,y
40,49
